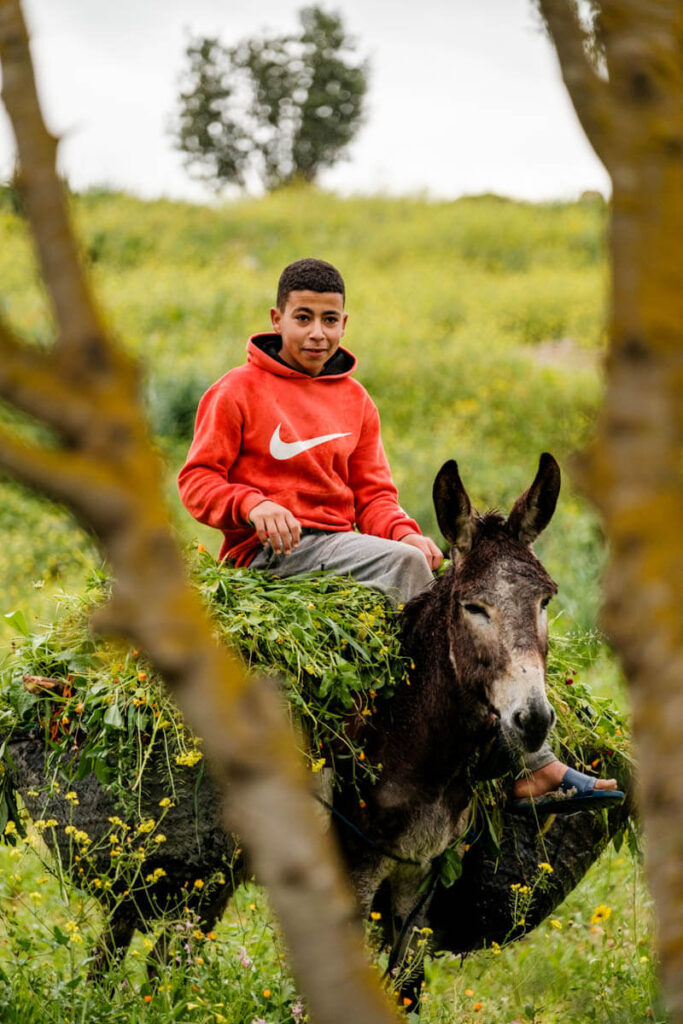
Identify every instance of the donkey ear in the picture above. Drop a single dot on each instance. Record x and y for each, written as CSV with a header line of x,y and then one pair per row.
x,y
532,512
453,508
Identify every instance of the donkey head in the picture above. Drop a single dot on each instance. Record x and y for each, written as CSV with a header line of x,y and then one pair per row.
x,y
499,635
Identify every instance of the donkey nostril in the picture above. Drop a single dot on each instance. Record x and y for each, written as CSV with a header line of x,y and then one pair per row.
x,y
518,720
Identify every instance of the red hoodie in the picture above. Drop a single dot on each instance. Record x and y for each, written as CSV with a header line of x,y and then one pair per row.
x,y
311,444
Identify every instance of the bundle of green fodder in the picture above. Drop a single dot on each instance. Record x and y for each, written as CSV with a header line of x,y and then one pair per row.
x,y
333,644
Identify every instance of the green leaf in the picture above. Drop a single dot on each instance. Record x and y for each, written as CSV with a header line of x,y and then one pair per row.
x,y
17,620
112,717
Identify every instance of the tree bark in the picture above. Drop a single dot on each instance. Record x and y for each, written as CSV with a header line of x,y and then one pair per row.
x,y
102,467
633,469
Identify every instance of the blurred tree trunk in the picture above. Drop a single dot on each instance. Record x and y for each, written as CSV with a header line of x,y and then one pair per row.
x,y
101,465
625,77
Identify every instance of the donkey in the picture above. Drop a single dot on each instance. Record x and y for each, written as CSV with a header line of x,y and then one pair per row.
x,y
478,643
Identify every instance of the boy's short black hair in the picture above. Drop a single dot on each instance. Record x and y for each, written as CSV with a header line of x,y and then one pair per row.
x,y
309,275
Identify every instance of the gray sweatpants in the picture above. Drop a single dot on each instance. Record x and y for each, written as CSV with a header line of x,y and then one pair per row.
x,y
398,570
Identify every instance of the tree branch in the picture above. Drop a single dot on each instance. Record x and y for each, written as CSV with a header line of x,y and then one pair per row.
x,y
589,93
44,197
30,381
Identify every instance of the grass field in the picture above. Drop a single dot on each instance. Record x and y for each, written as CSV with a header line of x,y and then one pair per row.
x,y
478,329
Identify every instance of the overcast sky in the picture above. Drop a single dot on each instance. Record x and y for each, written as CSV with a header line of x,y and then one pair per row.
x,y
465,95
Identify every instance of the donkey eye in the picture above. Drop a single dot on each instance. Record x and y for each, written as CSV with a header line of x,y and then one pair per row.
x,y
476,609
545,602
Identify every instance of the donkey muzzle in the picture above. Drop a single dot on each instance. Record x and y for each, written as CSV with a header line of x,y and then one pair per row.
x,y
533,722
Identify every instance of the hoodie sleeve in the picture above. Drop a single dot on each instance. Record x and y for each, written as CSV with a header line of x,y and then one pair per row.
x,y
375,496
204,481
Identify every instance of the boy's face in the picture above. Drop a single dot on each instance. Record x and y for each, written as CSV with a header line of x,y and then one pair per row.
x,y
311,326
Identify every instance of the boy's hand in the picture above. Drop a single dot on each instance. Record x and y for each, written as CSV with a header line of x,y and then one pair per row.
x,y
427,546
275,524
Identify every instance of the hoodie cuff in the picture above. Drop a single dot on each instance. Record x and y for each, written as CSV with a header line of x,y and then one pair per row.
x,y
252,499
404,528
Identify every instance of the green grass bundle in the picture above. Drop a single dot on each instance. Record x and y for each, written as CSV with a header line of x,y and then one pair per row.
x,y
331,642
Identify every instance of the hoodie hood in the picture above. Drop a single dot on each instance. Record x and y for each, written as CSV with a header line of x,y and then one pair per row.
x,y
263,350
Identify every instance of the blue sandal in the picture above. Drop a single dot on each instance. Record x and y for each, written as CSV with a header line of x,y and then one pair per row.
x,y
575,793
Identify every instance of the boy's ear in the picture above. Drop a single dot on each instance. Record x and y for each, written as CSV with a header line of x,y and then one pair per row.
x,y
276,319
345,317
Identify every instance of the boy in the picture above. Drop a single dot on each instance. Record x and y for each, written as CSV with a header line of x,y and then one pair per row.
x,y
287,455
287,458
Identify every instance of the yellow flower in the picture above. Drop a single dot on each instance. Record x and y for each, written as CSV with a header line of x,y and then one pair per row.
x,y
375,915
72,795
166,802
160,838
11,828
155,875
495,948
147,825
318,765
544,866
41,824
197,934
188,760
601,913
554,923
199,883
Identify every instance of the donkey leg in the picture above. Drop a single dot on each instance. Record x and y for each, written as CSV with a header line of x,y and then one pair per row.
x,y
112,946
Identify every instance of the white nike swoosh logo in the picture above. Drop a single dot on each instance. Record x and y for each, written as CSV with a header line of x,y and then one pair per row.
x,y
282,450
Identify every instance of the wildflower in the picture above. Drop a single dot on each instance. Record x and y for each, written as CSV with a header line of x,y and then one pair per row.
x,y
601,913
544,866
478,1006
147,825
469,992
155,875
190,759
375,915
297,1010
79,709
82,837
142,676
160,838
244,958
495,948
318,765
266,993
201,549
41,824
197,934
32,792
117,821
212,936
199,883
166,802
554,923
148,999
11,828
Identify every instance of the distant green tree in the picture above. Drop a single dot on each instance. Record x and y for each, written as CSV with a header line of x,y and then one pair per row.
x,y
271,109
